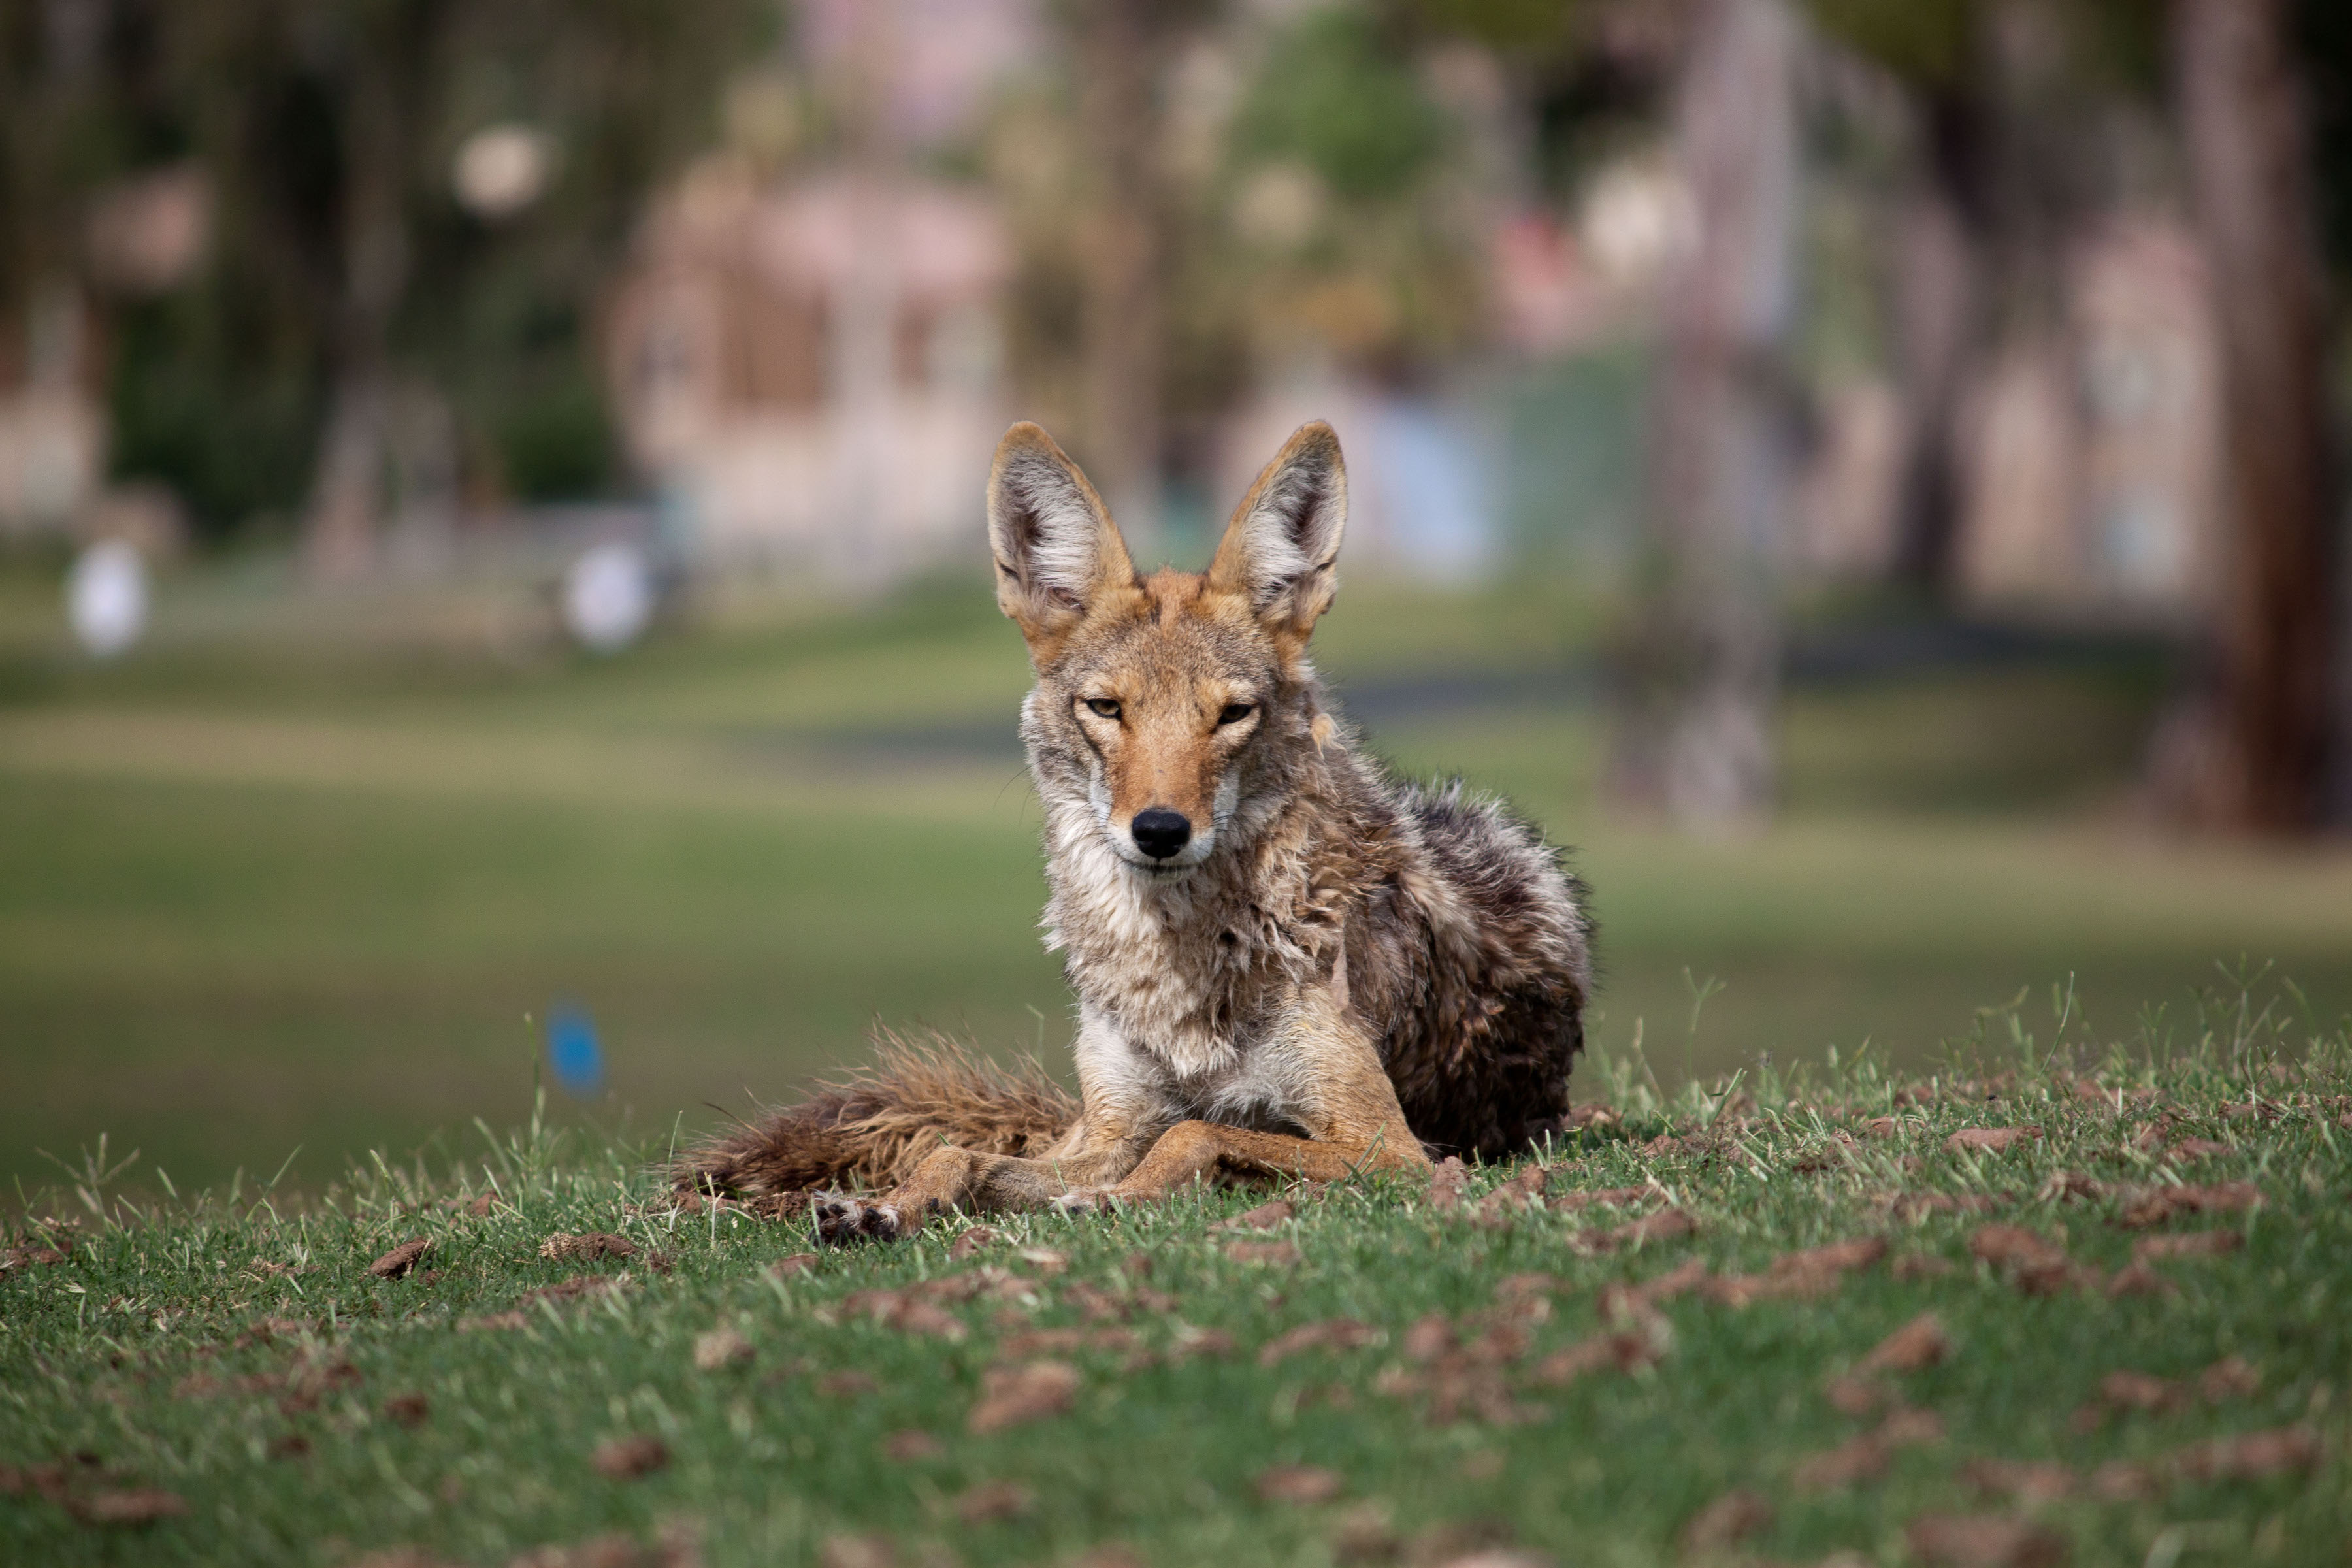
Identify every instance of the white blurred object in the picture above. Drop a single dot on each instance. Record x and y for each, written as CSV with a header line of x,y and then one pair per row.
x,y
503,169
1638,218
1280,207
106,598
608,598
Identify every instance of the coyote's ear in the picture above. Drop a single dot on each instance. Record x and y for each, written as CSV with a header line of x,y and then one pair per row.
x,y
1284,536
1053,539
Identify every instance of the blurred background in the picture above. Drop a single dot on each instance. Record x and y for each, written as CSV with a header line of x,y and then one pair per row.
x,y
492,586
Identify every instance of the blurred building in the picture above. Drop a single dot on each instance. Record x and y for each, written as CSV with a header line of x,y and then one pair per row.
x,y
2090,456
2094,460
143,236
812,371
52,424
808,364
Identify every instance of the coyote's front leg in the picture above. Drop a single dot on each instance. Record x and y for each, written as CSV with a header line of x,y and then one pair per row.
x,y
1098,1149
1350,1112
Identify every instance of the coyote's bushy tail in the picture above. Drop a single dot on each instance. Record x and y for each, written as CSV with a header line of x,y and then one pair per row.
x,y
872,1127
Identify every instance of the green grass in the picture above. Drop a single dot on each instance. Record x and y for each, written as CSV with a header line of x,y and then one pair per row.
x,y
144,1358
298,875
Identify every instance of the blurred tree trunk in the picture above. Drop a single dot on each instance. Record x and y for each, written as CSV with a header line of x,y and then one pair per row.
x,y
385,51
1937,331
1119,113
2247,750
1695,731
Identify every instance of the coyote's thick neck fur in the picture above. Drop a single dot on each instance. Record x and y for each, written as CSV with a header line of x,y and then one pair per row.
x,y
1284,960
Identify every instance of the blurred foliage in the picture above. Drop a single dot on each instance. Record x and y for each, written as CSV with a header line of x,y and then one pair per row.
x,y
1346,228
207,398
1331,95
1927,43
1941,45
1537,30
1330,206
291,106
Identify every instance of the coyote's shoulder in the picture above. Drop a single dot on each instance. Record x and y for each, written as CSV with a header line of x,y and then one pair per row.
x,y
1284,961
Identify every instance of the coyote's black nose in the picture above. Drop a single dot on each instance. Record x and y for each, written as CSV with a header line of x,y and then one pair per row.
x,y
1160,832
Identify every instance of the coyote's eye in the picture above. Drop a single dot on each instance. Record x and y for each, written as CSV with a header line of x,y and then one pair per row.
x,y
1102,707
1234,712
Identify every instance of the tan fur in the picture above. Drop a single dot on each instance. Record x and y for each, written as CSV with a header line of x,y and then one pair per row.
x,y
873,1126
1285,964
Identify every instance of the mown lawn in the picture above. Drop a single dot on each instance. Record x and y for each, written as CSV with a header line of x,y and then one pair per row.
x,y
309,876
1785,1317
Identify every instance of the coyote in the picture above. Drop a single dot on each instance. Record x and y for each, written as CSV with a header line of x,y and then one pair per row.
x,y
1286,963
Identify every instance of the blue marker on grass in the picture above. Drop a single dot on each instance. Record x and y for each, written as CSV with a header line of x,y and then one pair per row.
x,y
572,1050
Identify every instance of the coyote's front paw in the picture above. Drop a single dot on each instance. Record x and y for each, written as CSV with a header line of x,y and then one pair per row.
x,y
1086,1200
842,1219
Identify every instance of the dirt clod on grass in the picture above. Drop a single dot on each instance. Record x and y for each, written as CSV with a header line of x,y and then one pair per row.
x,y
1860,1396
1807,1275
1919,1343
1912,1207
2033,1263
1726,1521
1605,1197
2195,1243
1269,1252
492,1321
858,1552
626,1458
905,1310
1864,1458
1449,1184
1989,1140
1266,1216
2231,1377
990,1502
911,1446
2249,1455
1509,1198
2158,1205
1620,1304
565,1248
1028,1342
1302,1484
971,1241
798,1263
1189,1342
407,1409
2139,1391
2019,1481
1010,1396
2139,1280
134,1506
719,1348
1625,1352
1666,1224
1984,1541
401,1258
676,1548
1333,1333
850,1384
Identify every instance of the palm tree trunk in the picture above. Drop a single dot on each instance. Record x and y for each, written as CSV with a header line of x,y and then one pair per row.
x,y
1122,326
2249,748
1695,734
